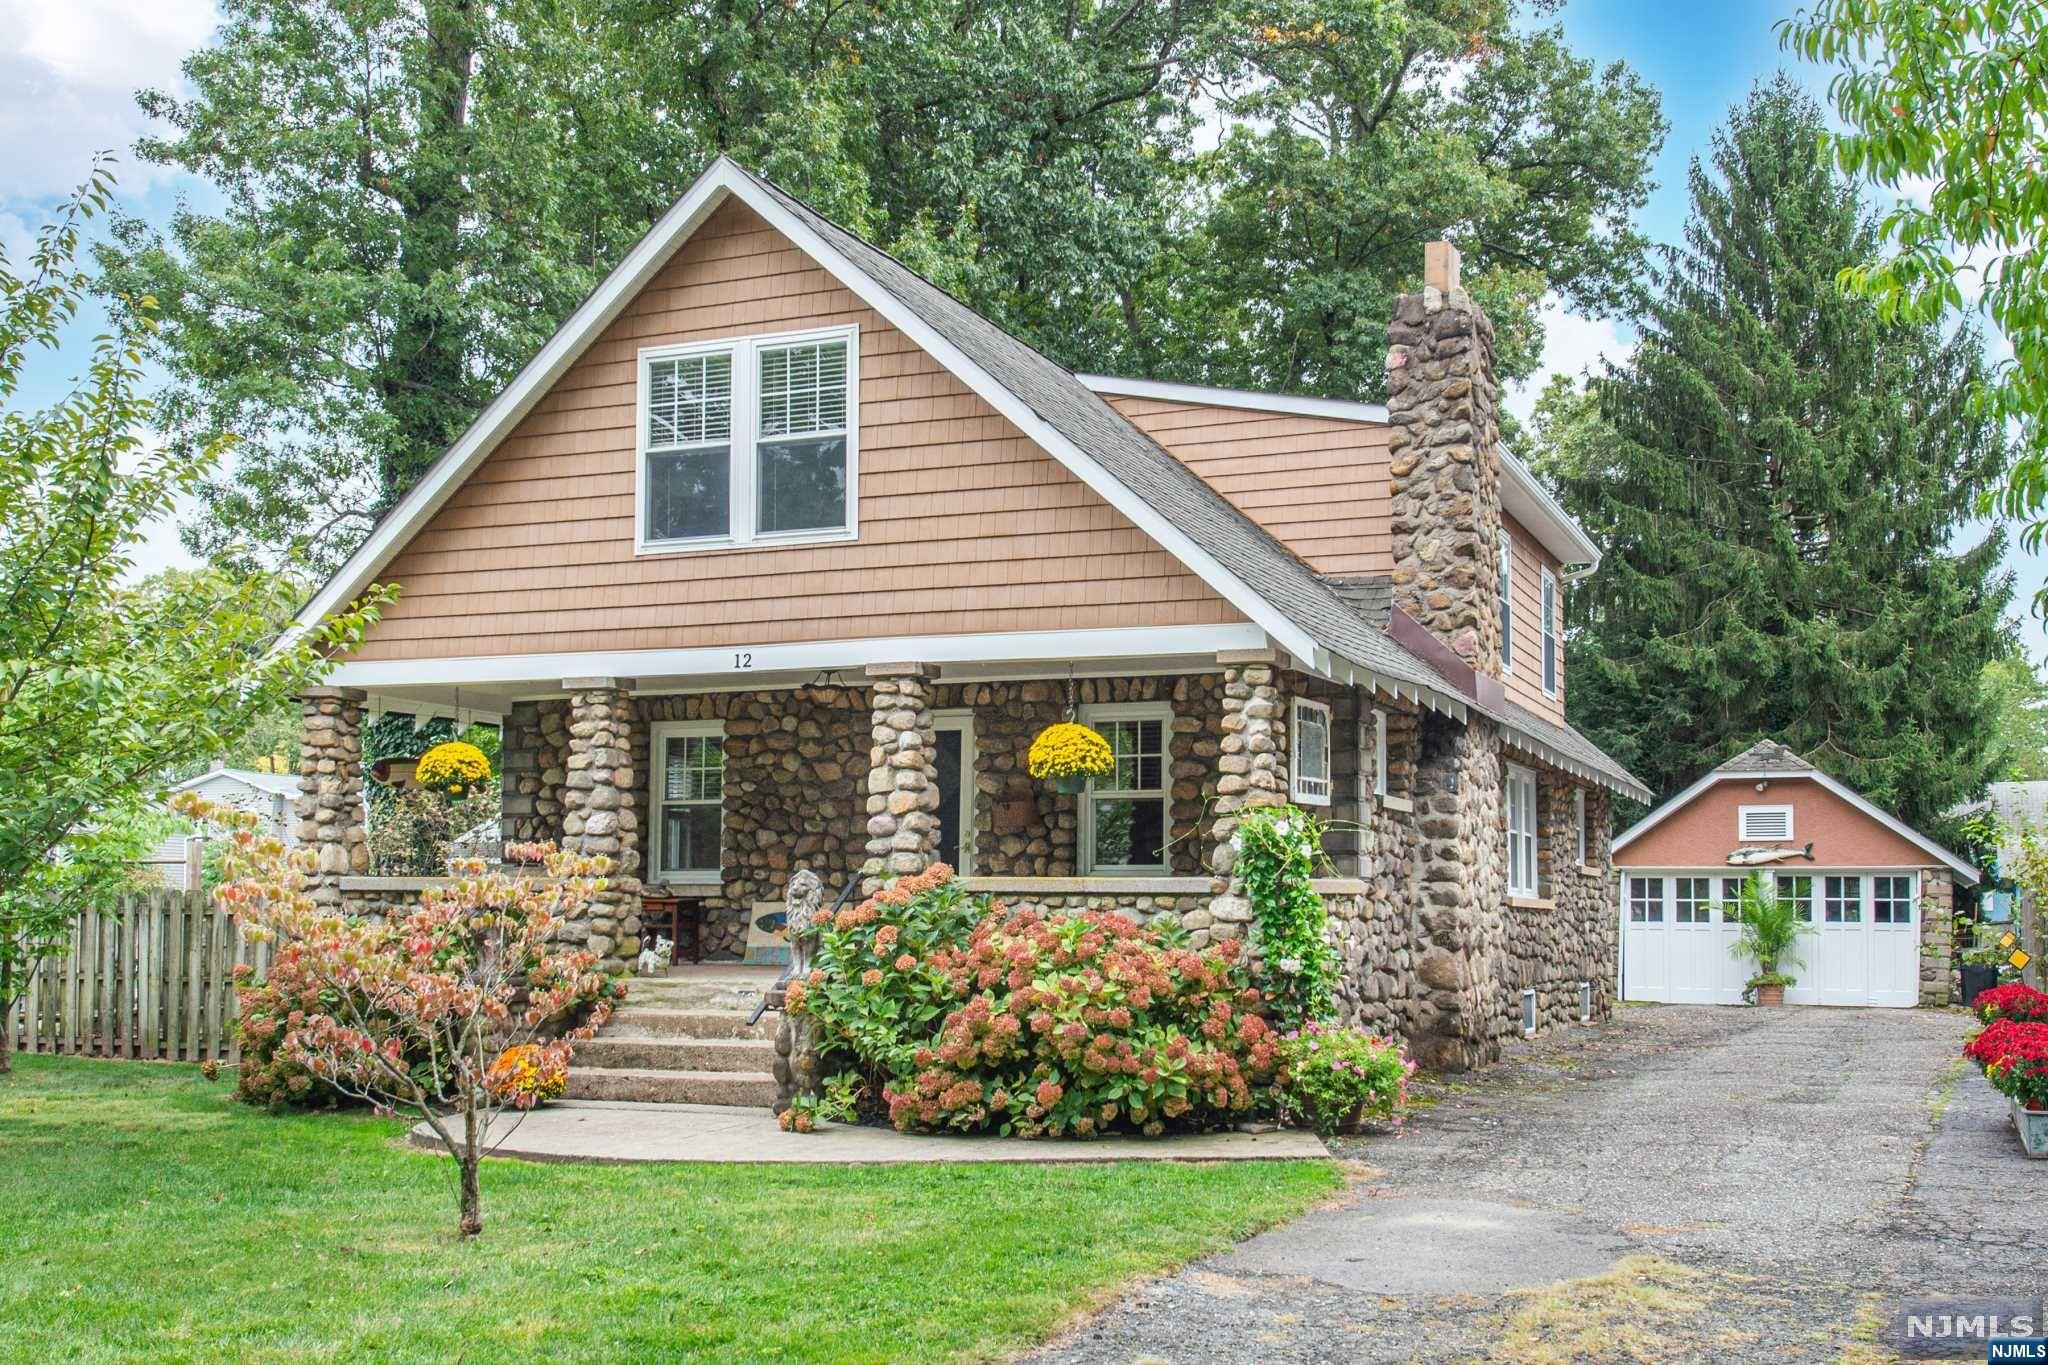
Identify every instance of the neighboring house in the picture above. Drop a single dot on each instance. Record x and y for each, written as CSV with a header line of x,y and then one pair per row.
x,y
777,556
2017,805
1877,891
175,861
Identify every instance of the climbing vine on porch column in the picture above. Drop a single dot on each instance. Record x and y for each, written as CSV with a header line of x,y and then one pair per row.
x,y
1278,849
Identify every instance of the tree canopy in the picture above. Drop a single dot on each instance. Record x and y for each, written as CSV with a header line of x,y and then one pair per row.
x,y
415,192
1780,477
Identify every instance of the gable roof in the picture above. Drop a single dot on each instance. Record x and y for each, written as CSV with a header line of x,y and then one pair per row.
x,y
1769,759
276,784
1057,410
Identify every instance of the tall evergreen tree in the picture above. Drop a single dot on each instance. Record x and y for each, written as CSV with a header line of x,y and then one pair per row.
x,y
1782,483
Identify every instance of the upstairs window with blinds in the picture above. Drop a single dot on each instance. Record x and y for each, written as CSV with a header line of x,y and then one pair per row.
x,y
1764,824
748,441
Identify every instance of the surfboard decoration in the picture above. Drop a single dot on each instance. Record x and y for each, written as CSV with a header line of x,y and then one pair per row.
x,y
1756,857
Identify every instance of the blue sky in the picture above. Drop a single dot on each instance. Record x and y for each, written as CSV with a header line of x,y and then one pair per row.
x,y
69,72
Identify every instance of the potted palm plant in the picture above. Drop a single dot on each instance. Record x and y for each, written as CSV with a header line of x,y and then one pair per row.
x,y
1770,926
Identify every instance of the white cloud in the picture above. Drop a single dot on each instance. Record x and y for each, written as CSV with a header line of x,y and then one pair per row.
x,y
1571,345
68,76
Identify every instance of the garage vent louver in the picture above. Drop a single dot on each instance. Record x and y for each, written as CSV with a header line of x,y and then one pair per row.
x,y
1767,823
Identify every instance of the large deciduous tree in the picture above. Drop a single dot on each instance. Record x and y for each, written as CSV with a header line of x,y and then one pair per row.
x,y
1782,481
104,688
1946,103
415,192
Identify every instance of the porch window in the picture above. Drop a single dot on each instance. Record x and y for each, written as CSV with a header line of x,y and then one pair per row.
x,y
689,800
1891,900
1521,831
1549,633
1309,773
748,441
1123,815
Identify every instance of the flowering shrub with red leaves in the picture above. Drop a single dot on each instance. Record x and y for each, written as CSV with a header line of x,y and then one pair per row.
x,y
415,1012
2014,1000
2014,1055
974,1016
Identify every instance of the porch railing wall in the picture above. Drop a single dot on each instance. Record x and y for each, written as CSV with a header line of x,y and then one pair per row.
x,y
153,980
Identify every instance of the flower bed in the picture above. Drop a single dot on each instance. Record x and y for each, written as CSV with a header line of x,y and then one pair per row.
x,y
974,1017
2015,1000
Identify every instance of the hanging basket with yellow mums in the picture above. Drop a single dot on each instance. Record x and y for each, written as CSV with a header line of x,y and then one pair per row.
x,y
1070,753
451,768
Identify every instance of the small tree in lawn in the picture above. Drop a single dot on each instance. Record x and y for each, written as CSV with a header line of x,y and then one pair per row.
x,y
107,686
445,1013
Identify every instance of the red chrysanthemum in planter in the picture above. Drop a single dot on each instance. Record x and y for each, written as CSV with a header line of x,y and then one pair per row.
x,y
2014,1000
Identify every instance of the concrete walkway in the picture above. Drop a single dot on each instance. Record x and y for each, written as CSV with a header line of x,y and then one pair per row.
x,y
595,1130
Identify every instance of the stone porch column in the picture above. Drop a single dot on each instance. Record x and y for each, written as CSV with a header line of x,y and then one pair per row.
x,y
1251,770
601,797
1937,936
903,789
330,806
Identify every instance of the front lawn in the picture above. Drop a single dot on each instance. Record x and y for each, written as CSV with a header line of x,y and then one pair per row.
x,y
142,1212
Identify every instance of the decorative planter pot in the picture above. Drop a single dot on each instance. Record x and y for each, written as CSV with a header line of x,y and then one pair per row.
x,y
1976,981
1770,995
1073,784
2032,1126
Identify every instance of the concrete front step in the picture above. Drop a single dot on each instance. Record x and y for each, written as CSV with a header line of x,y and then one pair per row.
x,y
625,1049
661,1022
732,991
750,1089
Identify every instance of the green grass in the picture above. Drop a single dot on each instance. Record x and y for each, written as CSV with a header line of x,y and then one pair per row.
x,y
143,1213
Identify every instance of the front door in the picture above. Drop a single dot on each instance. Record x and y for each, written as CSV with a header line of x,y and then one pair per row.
x,y
955,740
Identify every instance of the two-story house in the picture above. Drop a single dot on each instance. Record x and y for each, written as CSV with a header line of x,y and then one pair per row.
x,y
778,556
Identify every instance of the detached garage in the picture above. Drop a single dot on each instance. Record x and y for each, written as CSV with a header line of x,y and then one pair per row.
x,y
1877,891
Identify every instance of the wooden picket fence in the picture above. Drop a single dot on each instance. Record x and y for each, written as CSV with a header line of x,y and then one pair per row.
x,y
153,981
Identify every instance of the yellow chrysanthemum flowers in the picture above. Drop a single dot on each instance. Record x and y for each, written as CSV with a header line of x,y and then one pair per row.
x,y
453,767
1068,750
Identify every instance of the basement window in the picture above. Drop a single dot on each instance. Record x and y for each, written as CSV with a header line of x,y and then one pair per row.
x,y
748,442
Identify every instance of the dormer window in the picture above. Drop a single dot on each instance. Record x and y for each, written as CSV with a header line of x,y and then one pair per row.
x,y
748,442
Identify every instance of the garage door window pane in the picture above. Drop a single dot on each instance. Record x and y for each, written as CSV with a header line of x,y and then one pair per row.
x,y
1800,890
1843,902
1646,900
1731,900
1691,899
1891,900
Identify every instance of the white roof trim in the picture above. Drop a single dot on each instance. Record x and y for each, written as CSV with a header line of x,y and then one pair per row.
x,y
1300,404
1521,494
270,784
1968,873
721,181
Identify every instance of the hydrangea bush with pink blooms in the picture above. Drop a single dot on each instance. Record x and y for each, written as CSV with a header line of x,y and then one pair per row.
x,y
1333,1078
413,1014
976,1017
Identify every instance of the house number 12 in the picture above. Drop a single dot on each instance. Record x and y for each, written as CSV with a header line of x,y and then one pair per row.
x,y
743,660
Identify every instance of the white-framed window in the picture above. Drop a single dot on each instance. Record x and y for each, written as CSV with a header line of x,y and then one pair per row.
x,y
1379,753
748,441
1507,602
688,800
1549,633
1521,831
1772,824
1646,900
1124,814
1309,764
1798,890
1842,900
1692,900
1891,900
1579,823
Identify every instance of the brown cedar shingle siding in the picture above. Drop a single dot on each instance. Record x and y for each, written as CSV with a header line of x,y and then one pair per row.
x,y
965,526
1525,685
1319,484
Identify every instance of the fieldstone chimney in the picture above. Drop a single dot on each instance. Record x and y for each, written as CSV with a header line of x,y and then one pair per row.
x,y
1443,404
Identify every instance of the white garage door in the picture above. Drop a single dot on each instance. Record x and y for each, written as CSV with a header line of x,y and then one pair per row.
x,y
1678,936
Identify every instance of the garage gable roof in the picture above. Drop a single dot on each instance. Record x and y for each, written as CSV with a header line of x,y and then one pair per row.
x,y
1767,759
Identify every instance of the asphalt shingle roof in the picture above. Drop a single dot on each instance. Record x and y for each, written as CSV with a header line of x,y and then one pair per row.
x,y
1766,756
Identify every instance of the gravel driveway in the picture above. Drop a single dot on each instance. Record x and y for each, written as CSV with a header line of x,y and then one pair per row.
x,y
1681,1184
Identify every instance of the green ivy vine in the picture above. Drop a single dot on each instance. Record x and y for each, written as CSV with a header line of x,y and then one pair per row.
x,y
1278,849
